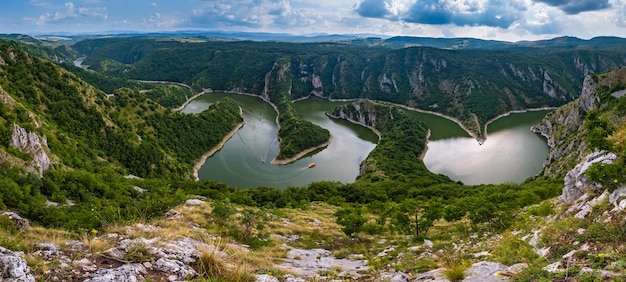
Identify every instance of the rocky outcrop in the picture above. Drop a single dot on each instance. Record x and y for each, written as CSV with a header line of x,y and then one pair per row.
x,y
13,267
20,223
564,131
33,144
576,183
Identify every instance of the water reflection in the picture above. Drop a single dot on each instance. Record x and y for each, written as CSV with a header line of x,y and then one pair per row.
x,y
509,155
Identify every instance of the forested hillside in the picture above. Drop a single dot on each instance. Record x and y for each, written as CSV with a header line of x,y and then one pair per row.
x,y
473,86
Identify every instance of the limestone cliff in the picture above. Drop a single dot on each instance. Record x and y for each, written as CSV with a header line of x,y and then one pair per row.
x,y
565,132
564,128
33,144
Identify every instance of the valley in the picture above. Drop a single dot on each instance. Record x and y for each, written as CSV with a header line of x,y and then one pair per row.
x,y
117,196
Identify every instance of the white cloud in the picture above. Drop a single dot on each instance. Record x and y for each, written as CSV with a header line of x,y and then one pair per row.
x,y
72,12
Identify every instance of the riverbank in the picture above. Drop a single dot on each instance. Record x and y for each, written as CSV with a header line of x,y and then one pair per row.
x,y
423,154
202,160
301,154
357,123
189,100
514,112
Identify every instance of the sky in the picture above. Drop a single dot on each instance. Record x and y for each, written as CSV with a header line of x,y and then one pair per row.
x,y
509,20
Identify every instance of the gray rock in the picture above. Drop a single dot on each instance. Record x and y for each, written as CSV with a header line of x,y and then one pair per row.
x,y
74,245
617,195
266,278
291,278
173,214
20,223
485,272
515,269
428,243
587,207
308,262
316,222
576,183
400,277
178,269
50,251
194,202
125,273
435,275
13,267
287,238
553,267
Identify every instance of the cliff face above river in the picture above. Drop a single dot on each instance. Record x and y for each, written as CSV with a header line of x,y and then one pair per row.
x,y
565,129
565,132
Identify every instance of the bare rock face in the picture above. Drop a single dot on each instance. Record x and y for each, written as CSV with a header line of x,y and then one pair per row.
x,y
13,267
576,183
31,143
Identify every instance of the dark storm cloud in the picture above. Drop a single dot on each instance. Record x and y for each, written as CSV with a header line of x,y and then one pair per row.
x,y
372,9
577,6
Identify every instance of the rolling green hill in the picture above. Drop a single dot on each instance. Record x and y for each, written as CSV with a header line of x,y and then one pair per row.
x,y
473,85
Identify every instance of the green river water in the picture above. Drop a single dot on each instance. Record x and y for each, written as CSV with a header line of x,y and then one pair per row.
x,y
511,153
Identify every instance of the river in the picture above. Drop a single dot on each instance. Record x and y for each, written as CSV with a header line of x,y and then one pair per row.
x,y
511,153
244,159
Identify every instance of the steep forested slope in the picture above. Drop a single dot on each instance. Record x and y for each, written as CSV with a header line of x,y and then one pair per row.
x,y
470,85
87,128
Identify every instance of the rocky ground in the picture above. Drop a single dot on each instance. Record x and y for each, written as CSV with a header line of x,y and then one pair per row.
x,y
180,247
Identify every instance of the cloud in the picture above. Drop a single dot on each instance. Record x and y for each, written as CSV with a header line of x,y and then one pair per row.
x,y
72,12
495,13
250,13
161,21
372,9
572,7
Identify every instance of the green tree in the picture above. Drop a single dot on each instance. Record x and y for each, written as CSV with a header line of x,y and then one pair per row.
x,y
351,219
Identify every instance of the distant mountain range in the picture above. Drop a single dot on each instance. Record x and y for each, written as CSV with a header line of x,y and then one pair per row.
x,y
566,42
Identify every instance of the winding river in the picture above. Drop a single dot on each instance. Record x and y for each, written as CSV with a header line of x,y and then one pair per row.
x,y
511,153
244,159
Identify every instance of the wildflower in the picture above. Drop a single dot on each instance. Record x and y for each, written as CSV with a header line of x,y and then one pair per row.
x,y
498,273
94,231
601,255
615,180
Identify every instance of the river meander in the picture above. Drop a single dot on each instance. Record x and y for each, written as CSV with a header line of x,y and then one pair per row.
x,y
244,159
511,153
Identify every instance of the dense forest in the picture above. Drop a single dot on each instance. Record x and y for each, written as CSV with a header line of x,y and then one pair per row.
x,y
471,85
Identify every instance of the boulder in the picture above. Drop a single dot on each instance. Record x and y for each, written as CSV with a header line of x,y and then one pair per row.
x,y
266,278
126,273
176,269
13,267
485,271
194,202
